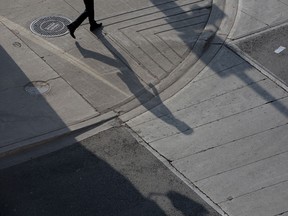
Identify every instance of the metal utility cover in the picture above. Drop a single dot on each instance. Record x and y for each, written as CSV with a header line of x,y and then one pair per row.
x,y
50,26
37,88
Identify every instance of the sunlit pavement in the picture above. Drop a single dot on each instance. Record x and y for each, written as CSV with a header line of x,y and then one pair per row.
x,y
202,83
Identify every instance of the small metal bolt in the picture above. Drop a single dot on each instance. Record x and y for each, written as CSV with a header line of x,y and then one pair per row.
x,y
17,44
37,87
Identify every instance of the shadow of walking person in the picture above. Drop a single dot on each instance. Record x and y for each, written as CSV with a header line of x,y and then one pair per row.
x,y
142,93
83,179
187,206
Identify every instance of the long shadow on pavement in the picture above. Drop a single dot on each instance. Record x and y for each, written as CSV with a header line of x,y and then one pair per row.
x,y
242,74
141,94
22,115
107,174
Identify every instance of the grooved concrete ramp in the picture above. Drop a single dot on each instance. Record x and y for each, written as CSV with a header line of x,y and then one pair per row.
x,y
143,50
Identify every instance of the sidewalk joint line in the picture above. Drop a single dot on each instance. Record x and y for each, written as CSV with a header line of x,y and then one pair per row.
x,y
176,21
198,31
232,141
213,98
149,57
161,18
149,7
145,38
281,213
123,49
251,192
180,175
216,73
160,38
244,165
199,126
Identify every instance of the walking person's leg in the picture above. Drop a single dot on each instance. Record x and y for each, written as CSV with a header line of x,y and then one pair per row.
x,y
74,25
89,12
89,4
80,19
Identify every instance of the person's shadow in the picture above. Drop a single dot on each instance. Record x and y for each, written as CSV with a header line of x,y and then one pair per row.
x,y
142,93
184,204
187,206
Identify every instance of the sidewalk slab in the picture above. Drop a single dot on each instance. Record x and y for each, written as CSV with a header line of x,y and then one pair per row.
x,y
266,202
222,188
24,116
254,16
237,146
233,155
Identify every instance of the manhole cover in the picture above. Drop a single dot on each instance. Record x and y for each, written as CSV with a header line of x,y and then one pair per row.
x,y
37,88
50,26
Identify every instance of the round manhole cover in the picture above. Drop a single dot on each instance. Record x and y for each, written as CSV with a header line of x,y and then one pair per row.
x,y
37,88
50,26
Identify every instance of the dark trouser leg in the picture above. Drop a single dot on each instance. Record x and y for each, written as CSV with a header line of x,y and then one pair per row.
x,y
89,5
89,12
80,19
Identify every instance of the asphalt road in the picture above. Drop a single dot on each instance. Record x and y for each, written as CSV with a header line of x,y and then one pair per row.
x,y
269,49
106,174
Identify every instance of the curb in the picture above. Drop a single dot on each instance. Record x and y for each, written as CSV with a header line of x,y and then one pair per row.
x,y
233,46
208,44
186,181
45,138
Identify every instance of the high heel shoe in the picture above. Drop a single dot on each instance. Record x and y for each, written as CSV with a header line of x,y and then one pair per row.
x,y
71,30
95,26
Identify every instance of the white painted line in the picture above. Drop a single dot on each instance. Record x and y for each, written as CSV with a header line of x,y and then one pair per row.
x,y
280,49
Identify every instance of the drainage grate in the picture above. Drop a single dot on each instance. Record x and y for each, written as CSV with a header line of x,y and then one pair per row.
x,y
37,88
50,26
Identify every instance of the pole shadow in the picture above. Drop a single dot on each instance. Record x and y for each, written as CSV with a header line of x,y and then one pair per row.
x,y
97,176
76,180
71,181
216,40
23,115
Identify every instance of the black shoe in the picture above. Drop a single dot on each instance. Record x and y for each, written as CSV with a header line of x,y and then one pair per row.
x,y
95,26
71,30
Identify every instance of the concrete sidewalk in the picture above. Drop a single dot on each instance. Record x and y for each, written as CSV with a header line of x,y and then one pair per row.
x,y
142,51
237,111
189,77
